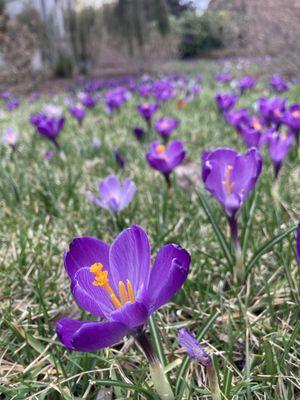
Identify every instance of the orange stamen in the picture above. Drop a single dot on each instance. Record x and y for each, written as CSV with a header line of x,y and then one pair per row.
x,y
160,148
101,279
256,124
228,185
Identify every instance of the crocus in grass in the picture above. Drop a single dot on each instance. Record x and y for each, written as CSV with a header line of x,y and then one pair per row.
x,y
226,101
12,104
113,195
191,345
253,132
116,283
246,83
88,100
78,112
237,117
96,143
48,126
120,159
279,144
146,111
223,77
278,83
139,133
48,154
292,119
230,177
10,137
165,158
272,110
165,126
298,244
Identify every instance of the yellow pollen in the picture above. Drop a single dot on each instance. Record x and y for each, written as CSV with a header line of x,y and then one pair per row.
x,y
228,185
165,124
160,148
284,135
277,112
256,124
296,113
101,279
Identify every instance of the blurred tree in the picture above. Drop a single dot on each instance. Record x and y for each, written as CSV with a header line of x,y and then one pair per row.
x,y
176,8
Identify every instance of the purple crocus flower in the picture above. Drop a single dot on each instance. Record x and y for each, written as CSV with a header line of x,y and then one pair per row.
x,y
237,117
120,158
223,77
165,126
12,104
117,283
96,143
48,126
139,133
279,145
88,100
278,84
246,83
146,110
78,112
272,110
5,94
113,195
230,177
192,347
298,244
226,101
254,132
10,137
162,90
165,159
292,119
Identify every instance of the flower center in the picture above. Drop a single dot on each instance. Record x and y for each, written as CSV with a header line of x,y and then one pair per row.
x,y
277,112
296,113
256,124
228,185
101,279
160,148
165,124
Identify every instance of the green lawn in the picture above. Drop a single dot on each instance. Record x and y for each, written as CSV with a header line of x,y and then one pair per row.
x,y
44,205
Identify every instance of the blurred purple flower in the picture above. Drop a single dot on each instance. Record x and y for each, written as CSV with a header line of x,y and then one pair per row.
x,y
191,345
146,110
96,143
112,195
165,126
272,110
278,84
47,126
298,244
48,154
237,117
139,133
78,112
223,77
254,132
12,104
279,145
292,119
226,101
10,137
5,94
246,83
118,284
120,159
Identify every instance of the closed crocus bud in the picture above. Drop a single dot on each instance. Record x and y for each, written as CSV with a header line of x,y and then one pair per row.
x,y
279,145
119,158
139,133
146,110
48,125
278,84
246,83
191,345
226,101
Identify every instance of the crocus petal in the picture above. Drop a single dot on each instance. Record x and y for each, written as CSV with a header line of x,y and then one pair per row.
x,y
89,336
84,252
109,187
128,193
168,274
131,314
96,201
130,259
92,298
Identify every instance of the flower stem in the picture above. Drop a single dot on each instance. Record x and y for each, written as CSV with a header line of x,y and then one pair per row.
x,y
168,180
238,273
213,382
158,376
